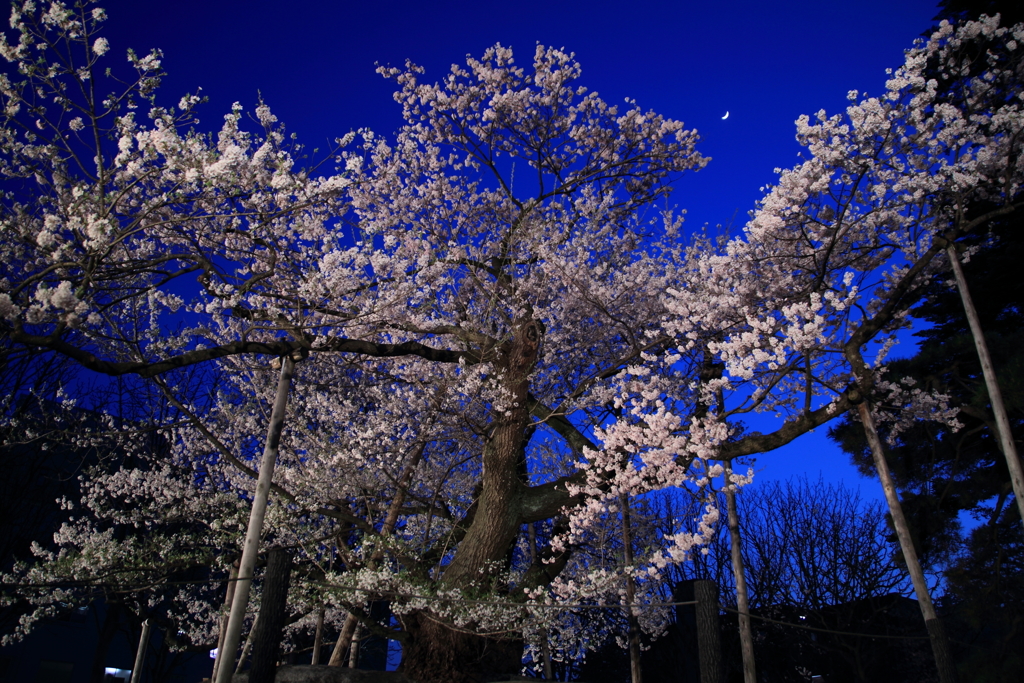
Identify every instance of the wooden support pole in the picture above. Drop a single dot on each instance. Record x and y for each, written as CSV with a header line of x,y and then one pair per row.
x,y
318,639
636,674
140,654
226,609
341,648
940,644
742,596
995,396
251,546
244,657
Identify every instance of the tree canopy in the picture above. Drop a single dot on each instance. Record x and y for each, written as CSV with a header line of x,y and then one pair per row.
x,y
488,351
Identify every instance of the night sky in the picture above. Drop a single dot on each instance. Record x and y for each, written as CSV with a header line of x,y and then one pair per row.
x,y
764,63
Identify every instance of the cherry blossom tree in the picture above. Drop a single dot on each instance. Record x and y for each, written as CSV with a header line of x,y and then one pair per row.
x,y
775,321
848,239
487,349
109,219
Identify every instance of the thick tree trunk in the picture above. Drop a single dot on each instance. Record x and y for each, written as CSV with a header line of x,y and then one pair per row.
x,y
496,523
1006,442
940,644
273,611
742,597
436,652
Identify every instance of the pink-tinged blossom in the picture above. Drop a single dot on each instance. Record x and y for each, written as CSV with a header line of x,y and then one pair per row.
x,y
448,312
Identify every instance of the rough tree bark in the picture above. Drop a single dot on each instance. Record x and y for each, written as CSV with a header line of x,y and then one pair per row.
x,y
435,652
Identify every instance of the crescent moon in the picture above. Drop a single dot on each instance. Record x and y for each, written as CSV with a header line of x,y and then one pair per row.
x,y
726,116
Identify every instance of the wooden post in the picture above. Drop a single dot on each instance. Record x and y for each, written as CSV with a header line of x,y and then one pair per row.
x,y
140,654
341,647
742,597
232,580
545,646
251,546
936,633
244,657
709,644
995,396
635,671
273,611
318,639
353,651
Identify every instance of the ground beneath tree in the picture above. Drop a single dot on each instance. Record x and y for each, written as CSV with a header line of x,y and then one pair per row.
x,y
330,674
337,674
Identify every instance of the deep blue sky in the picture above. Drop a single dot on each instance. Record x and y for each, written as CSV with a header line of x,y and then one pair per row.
x,y
765,63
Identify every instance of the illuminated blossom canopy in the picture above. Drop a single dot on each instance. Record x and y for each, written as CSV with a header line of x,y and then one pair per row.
x,y
493,350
